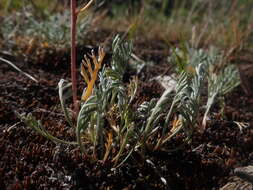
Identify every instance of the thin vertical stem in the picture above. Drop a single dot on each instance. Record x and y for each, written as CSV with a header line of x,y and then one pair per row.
x,y
73,54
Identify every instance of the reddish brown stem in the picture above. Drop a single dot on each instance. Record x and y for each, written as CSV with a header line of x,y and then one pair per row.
x,y
73,54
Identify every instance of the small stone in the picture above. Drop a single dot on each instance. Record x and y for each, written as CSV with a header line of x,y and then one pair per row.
x,y
236,183
245,173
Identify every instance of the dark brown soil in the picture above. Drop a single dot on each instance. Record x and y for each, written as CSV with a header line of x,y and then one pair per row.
x,y
29,161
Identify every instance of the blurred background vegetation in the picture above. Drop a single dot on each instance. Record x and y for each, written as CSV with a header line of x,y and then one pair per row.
x,y
225,24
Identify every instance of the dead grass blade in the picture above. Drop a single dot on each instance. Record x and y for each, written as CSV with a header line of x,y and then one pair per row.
x,y
18,69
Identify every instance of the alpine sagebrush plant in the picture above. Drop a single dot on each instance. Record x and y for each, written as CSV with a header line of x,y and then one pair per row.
x,y
221,79
185,101
183,104
108,101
